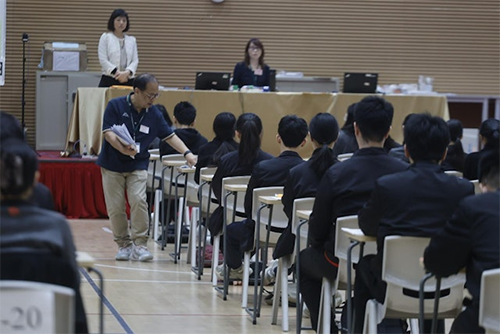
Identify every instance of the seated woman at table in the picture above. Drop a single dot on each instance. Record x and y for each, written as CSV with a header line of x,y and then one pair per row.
x,y
118,52
210,153
252,71
490,139
36,244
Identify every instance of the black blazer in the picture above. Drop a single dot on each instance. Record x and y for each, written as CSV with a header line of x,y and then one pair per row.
x,y
191,137
229,165
269,173
346,143
301,182
471,163
343,190
470,239
416,202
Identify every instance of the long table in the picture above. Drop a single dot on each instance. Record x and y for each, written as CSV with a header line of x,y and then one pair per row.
x,y
86,119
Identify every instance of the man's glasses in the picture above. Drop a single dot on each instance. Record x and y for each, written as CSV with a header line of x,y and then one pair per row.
x,y
153,96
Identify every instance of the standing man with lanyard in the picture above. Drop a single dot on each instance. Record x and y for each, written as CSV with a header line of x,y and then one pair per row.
x,y
124,167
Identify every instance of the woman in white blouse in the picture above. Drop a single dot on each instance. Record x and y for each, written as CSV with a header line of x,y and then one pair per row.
x,y
118,52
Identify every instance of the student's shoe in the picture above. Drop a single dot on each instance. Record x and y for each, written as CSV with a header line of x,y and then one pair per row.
x,y
123,253
270,273
234,274
141,253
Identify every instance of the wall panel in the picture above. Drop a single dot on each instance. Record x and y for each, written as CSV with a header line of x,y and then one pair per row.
x,y
456,42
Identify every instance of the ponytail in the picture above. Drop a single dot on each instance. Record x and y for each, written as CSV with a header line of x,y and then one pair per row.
x,y
249,126
324,129
489,130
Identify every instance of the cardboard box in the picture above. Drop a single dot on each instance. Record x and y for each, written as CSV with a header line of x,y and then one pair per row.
x,y
64,56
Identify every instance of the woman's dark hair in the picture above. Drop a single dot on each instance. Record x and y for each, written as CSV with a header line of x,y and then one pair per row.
x,y
349,122
456,155
117,13
164,113
258,44
489,130
324,129
223,127
18,165
249,126
456,129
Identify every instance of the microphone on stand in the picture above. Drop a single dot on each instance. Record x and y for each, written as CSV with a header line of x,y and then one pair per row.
x,y
25,37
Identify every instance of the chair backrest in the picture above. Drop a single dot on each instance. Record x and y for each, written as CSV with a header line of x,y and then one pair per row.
x,y
344,156
33,307
240,199
342,243
454,173
279,219
403,272
306,203
489,302
166,177
477,190
204,194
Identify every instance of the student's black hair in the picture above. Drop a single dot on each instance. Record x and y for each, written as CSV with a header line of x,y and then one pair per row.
x,y
349,121
142,80
10,127
456,129
185,113
164,113
249,126
223,127
18,164
489,129
117,13
488,169
292,130
373,116
426,137
324,129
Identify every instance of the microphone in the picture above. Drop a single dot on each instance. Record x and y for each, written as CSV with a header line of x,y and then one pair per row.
x,y
25,37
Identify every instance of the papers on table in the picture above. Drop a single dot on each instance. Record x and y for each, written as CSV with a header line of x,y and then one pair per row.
x,y
124,136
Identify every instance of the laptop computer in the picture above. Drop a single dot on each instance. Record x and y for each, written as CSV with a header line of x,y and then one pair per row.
x,y
212,80
365,83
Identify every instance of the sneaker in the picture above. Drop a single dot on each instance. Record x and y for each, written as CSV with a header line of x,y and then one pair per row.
x,y
234,274
141,253
123,253
305,312
292,293
270,273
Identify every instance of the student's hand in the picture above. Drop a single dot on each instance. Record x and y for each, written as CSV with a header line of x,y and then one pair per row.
x,y
191,159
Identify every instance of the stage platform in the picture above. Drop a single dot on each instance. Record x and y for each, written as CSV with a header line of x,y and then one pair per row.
x,y
75,184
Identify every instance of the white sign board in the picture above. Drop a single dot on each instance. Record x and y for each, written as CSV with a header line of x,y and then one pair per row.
x,y
3,18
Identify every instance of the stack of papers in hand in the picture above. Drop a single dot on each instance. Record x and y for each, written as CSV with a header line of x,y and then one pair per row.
x,y
123,135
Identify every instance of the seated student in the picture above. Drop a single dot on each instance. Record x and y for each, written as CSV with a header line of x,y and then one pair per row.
x,y
11,128
489,133
184,119
470,239
210,153
399,152
398,206
238,163
455,156
342,191
346,141
292,132
303,180
29,233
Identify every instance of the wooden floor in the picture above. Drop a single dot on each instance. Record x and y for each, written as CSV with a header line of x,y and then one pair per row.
x,y
159,296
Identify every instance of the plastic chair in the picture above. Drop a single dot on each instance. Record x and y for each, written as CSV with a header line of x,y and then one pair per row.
x,y
300,227
36,307
268,227
489,303
477,190
402,271
454,173
237,207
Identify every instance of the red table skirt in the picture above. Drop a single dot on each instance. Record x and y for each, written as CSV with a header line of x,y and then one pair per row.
x,y
76,188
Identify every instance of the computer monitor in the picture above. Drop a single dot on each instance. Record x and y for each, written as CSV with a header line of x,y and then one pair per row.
x,y
212,80
365,83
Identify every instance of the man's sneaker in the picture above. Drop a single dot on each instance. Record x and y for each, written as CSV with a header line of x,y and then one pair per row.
x,y
234,274
141,253
123,253
270,273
